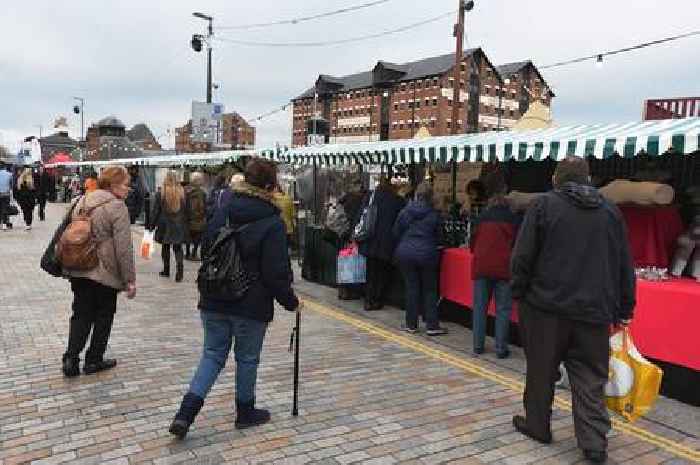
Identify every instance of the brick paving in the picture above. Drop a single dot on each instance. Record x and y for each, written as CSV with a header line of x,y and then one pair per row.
x,y
365,398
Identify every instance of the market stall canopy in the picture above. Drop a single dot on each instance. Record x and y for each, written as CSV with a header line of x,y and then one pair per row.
x,y
189,159
597,140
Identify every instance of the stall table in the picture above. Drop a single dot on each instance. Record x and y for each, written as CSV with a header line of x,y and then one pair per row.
x,y
666,318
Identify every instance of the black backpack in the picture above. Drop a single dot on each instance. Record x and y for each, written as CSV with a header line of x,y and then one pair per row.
x,y
222,275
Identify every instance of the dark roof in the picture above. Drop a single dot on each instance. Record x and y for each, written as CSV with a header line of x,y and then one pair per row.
x,y
111,121
59,139
511,68
140,132
414,70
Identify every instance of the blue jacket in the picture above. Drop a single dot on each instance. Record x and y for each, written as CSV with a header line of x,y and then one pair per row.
x,y
417,230
264,250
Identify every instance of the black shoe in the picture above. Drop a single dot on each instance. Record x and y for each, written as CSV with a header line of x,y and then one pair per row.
x,y
521,425
95,367
436,332
409,329
595,456
189,408
164,274
71,367
504,354
247,415
179,274
478,351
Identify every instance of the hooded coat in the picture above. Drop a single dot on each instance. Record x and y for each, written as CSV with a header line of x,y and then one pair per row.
x,y
572,258
417,230
112,231
263,247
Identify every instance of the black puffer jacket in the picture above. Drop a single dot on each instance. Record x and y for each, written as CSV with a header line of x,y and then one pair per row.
x,y
572,257
171,228
263,250
382,243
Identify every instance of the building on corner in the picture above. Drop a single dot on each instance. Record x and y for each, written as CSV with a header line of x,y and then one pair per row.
x,y
392,101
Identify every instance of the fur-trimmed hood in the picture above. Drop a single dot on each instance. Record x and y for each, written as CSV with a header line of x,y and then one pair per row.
x,y
243,188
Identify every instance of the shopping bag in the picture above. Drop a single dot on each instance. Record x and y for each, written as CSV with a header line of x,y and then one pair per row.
x,y
633,382
146,249
352,267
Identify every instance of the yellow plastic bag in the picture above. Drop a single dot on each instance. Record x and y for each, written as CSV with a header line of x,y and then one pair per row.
x,y
633,382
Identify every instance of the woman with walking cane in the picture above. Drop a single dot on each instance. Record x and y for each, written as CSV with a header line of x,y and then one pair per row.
x,y
240,319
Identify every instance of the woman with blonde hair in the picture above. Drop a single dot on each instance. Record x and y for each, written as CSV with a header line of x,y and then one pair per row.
x,y
169,222
26,196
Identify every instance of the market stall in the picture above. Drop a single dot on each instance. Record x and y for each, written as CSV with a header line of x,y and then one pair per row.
x,y
666,311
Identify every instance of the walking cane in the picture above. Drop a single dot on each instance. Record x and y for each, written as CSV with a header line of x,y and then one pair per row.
x,y
294,341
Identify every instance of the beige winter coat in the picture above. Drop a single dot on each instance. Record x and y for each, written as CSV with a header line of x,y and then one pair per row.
x,y
112,231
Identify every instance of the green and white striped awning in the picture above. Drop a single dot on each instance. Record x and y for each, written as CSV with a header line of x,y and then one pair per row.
x,y
188,159
598,140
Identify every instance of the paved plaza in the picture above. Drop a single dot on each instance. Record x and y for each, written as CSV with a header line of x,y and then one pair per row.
x,y
369,394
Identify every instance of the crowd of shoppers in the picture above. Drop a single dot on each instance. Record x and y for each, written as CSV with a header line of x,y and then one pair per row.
x,y
571,233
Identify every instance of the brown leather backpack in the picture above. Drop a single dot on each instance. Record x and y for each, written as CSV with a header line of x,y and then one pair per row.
x,y
76,250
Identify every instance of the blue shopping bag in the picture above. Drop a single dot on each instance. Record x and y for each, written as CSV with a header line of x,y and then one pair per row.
x,y
352,267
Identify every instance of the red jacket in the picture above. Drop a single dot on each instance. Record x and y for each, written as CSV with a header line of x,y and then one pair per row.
x,y
492,239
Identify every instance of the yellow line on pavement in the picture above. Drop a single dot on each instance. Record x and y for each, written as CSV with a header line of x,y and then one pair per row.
x,y
668,445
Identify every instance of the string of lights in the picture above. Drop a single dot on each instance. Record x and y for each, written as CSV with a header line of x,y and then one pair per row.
x,y
599,56
336,42
268,114
305,18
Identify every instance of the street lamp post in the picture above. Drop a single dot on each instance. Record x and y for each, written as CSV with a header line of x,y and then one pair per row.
x,y
209,48
464,6
81,110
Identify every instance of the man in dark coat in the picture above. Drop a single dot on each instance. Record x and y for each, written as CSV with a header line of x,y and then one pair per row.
x,y
42,185
134,200
379,248
573,275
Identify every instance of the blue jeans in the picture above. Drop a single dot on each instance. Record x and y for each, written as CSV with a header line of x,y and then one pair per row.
x,y
421,290
483,289
220,332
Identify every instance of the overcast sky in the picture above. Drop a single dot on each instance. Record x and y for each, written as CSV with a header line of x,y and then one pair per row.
x,y
132,58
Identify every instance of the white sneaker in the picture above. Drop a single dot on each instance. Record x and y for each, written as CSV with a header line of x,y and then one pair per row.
x,y
28,228
4,227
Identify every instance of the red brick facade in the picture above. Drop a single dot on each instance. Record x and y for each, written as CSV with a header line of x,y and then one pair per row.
x,y
237,135
403,106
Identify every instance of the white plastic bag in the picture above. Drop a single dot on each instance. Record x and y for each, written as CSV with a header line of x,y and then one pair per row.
x,y
147,244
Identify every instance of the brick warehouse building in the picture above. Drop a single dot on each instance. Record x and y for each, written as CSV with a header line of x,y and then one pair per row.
x,y
236,134
392,101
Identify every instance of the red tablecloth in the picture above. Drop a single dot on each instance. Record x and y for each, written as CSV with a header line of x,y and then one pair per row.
x,y
666,319
652,232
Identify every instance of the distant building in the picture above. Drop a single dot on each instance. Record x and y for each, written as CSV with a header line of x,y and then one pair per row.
x,y
143,138
58,143
236,134
671,108
107,139
392,101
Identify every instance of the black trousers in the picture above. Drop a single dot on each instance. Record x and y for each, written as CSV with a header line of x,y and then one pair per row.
x,y
42,208
584,348
28,214
4,207
378,278
165,254
94,306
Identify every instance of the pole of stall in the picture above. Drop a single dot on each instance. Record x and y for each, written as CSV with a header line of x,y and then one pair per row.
x,y
454,181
